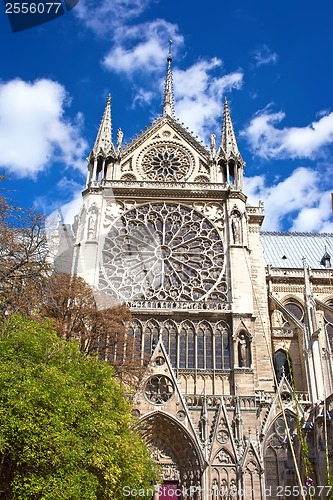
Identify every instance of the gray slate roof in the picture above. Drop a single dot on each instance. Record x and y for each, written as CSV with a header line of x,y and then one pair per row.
x,y
286,250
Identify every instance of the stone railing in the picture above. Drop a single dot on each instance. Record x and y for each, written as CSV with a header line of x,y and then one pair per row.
x,y
255,210
245,402
179,305
192,186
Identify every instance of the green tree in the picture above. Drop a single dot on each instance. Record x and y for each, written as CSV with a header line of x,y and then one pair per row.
x,y
66,430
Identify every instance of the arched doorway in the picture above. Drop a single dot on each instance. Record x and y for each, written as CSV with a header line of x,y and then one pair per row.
x,y
177,453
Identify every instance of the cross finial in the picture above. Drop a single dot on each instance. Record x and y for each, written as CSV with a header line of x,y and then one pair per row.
x,y
170,51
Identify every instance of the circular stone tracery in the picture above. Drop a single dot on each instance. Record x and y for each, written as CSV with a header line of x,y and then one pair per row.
x,y
166,162
159,389
162,251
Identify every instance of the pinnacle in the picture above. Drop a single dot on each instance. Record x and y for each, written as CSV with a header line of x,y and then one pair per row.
x,y
103,143
168,101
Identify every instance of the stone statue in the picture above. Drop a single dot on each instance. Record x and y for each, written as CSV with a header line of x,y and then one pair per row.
x,y
215,490
120,136
236,228
92,225
277,319
242,351
213,144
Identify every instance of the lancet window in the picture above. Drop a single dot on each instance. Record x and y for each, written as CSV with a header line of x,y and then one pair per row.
x,y
189,344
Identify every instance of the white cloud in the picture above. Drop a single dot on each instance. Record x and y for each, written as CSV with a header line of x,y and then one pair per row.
x,y
139,53
142,48
268,141
145,56
33,129
102,16
199,94
72,208
316,218
142,97
67,188
300,192
263,55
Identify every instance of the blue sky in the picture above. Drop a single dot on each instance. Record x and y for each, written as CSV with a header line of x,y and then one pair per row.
x,y
272,60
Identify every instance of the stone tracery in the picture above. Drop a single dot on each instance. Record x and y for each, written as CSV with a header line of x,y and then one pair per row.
x,y
166,162
164,251
189,344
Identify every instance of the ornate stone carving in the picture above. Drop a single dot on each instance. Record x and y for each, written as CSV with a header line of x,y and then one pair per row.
x,y
92,223
222,436
181,415
159,389
224,457
160,251
166,161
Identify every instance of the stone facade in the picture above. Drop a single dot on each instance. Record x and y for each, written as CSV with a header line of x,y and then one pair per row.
x,y
237,352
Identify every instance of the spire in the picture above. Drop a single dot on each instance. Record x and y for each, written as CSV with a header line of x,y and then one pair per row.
x,y
168,105
228,141
103,143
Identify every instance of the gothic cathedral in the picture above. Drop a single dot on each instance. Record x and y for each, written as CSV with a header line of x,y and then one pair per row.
x,y
233,325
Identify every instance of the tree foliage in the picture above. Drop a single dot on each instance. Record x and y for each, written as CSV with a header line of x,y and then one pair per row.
x,y
66,430
23,256
28,286
70,302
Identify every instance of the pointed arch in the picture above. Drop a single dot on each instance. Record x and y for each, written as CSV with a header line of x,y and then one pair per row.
x,y
222,346
282,364
278,463
150,336
169,337
294,307
134,340
252,482
204,345
223,456
185,450
186,349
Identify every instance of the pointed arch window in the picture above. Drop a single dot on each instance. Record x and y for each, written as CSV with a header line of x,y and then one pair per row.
x,y
169,337
222,346
134,340
151,333
278,461
200,348
282,365
296,310
186,345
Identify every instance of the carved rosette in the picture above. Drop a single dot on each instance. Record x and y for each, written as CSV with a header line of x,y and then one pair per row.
x,y
159,389
163,251
165,161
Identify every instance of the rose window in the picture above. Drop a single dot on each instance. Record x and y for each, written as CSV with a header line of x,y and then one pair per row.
x,y
159,389
161,251
166,162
